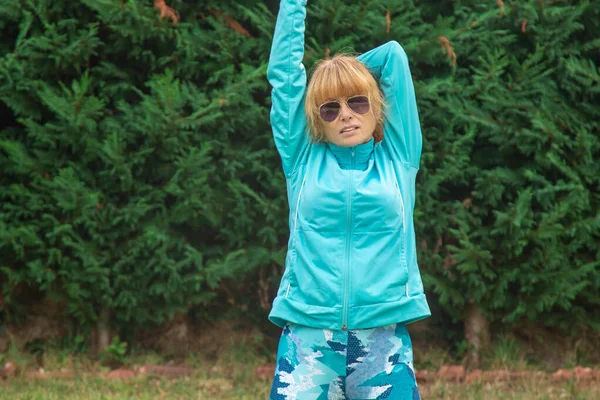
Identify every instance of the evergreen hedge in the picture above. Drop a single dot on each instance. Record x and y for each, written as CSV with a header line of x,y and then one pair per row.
x,y
137,169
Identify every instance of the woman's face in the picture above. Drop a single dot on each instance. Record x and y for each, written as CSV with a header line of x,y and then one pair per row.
x,y
350,128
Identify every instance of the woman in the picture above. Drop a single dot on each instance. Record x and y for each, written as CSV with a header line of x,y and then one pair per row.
x,y
351,281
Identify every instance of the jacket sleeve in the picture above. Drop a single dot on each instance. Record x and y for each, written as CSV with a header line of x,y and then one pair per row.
x,y
401,130
287,75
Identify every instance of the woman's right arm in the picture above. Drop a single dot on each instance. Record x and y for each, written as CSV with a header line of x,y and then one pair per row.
x,y
287,75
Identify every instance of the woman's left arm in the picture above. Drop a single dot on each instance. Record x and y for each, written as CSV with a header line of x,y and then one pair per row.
x,y
401,129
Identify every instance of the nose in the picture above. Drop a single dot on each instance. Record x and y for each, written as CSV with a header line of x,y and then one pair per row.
x,y
345,112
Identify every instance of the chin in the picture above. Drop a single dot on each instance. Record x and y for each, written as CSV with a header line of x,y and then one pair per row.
x,y
351,141
356,140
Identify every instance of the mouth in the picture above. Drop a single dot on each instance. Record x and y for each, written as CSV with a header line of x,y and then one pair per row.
x,y
348,129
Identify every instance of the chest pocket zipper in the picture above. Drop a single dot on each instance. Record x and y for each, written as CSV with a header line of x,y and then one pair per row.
x,y
287,292
401,199
404,229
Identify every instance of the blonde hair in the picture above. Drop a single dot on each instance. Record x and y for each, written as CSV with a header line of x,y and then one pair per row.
x,y
340,77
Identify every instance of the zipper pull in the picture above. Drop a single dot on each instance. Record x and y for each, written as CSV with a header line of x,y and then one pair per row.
x,y
344,327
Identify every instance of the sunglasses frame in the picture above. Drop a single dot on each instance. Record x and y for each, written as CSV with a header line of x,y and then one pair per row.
x,y
347,105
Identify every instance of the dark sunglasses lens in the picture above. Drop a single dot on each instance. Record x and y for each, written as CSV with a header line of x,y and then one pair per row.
x,y
359,104
329,111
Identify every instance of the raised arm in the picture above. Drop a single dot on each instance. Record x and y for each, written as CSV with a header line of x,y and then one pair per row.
x,y
402,130
287,75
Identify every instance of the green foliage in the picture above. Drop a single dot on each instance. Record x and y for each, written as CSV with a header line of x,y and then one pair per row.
x,y
135,161
138,172
115,352
508,168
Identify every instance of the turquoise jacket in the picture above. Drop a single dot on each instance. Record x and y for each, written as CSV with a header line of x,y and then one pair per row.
x,y
351,260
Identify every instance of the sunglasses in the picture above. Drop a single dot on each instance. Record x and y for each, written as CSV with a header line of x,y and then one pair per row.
x,y
329,111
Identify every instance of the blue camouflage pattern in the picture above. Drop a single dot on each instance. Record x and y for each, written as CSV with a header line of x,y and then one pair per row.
x,y
323,364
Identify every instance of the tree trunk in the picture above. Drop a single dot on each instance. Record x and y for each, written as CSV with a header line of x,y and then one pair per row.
x,y
103,331
477,335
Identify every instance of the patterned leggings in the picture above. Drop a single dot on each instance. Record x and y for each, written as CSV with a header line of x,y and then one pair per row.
x,y
322,364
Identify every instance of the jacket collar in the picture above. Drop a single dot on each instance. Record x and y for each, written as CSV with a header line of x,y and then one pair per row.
x,y
356,155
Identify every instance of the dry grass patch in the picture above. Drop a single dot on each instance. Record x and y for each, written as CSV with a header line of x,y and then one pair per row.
x,y
537,389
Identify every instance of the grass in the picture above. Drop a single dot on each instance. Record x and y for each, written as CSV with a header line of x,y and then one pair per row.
x,y
542,389
241,384
199,386
232,375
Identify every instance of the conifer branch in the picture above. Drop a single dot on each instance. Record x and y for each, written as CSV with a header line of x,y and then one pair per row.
x,y
231,22
447,48
166,11
259,72
388,22
501,5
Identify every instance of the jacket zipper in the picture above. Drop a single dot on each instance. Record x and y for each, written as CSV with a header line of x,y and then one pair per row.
x,y
348,240
399,195
298,203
